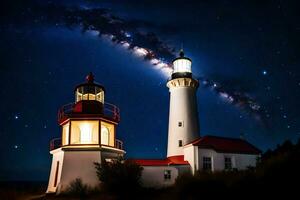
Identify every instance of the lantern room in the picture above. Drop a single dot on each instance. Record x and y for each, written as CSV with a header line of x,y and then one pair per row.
x,y
89,90
182,66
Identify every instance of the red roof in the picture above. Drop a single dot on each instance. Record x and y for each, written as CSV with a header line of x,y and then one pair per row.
x,y
173,160
226,145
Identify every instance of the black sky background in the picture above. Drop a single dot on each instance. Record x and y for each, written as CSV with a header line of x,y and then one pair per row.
x,y
249,47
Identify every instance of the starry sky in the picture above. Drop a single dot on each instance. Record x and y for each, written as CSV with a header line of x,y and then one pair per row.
x,y
246,56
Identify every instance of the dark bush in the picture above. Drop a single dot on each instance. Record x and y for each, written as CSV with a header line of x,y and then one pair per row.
x,y
77,188
119,176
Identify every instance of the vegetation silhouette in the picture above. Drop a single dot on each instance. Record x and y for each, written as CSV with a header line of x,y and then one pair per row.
x,y
277,173
119,177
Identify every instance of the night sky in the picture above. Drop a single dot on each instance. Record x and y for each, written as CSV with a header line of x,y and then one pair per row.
x,y
246,56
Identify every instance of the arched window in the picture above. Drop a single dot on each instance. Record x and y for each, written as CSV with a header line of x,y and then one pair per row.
x,y
104,135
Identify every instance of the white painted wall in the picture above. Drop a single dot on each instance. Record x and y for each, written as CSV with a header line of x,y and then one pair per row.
x,y
191,155
183,108
76,164
79,164
239,161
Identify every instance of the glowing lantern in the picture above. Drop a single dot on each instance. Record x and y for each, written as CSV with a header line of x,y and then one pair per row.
x,y
182,64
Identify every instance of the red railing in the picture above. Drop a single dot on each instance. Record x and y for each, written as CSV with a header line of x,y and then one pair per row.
x,y
56,143
109,110
112,111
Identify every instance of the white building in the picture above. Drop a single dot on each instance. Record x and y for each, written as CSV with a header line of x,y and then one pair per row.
x,y
187,151
88,129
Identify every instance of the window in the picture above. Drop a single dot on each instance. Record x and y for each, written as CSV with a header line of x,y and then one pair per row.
x,y
180,143
207,166
107,134
65,134
89,93
228,163
180,124
85,132
167,174
104,135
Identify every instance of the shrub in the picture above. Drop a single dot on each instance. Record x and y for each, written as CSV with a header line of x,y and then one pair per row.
x,y
119,176
77,188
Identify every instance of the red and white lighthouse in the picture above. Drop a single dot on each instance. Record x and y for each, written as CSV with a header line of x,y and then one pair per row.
x,y
88,135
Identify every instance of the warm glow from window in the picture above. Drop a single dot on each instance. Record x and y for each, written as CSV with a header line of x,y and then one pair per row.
x,y
85,132
65,134
182,65
86,93
104,135
107,134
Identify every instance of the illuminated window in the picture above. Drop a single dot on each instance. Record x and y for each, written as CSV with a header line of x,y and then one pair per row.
x,y
207,165
167,174
104,135
107,134
85,132
228,163
65,134
89,92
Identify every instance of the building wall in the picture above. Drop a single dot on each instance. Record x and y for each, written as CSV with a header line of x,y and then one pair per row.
x,y
79,164
76,164
191,155
239,161
153,176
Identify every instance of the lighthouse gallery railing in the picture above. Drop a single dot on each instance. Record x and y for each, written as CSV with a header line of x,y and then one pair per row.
x,y
57,143
109,110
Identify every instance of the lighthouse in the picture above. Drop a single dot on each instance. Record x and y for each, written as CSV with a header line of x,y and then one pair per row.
x,y
187,152
88,135
183,113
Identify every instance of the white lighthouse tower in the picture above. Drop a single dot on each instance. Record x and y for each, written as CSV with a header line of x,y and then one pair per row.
x,y
183,114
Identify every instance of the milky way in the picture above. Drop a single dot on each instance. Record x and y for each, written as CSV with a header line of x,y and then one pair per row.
x,y
132,36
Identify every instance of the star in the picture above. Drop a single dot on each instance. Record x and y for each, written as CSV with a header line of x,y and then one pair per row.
x,y
264,72
16,146
284,116
16,117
